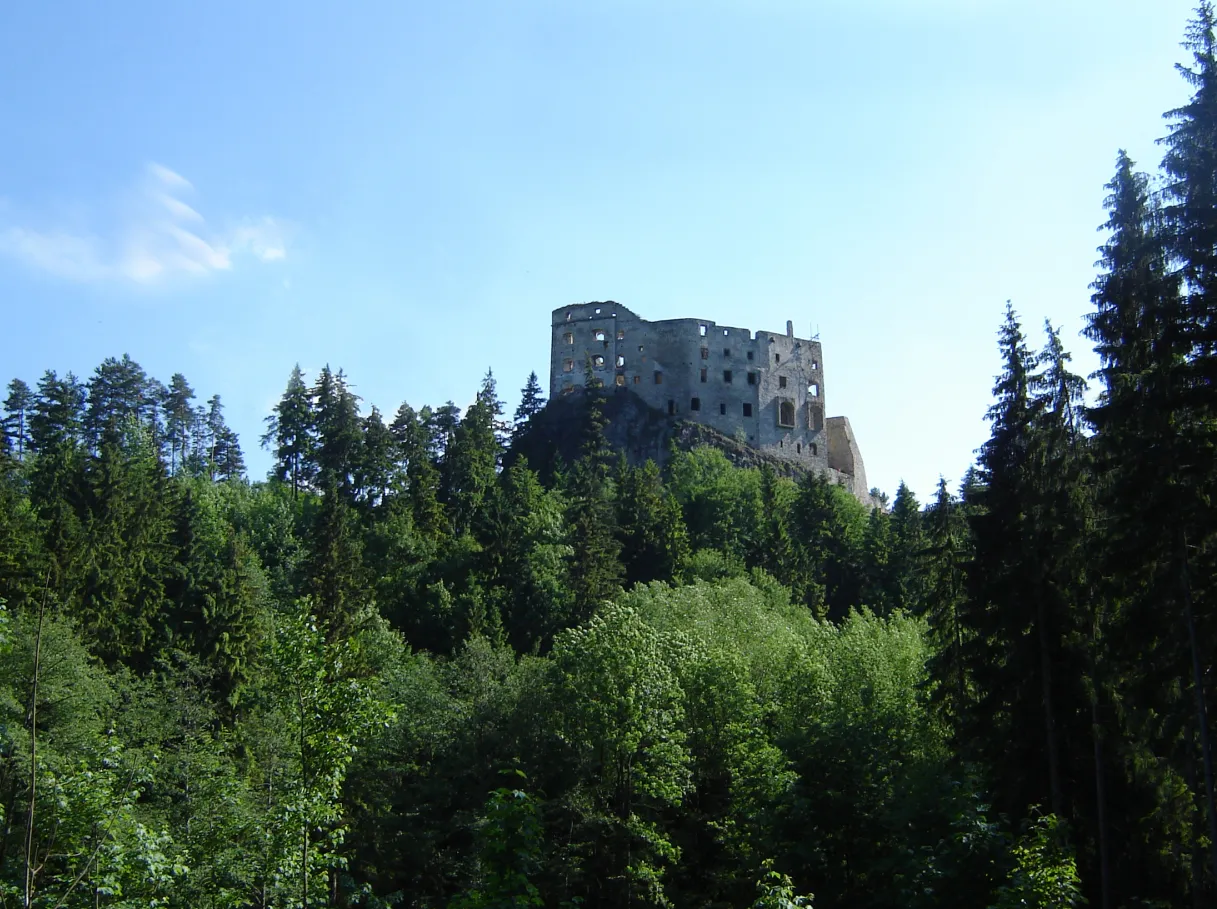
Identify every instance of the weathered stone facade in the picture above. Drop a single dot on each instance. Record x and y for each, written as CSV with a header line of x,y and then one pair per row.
x,y
764,389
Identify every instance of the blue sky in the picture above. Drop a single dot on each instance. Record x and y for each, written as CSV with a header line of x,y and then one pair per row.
x,y
407,190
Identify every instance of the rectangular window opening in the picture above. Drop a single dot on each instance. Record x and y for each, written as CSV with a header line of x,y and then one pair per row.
x,y
727,376
703,373
658,377
598,334
620,335
814,389
671,407
749,355
751,378
568,365
568,338
747,410
777,358
722,409
637,379
703,330
620,380
705,353
781,381
695,404
726,351
786,414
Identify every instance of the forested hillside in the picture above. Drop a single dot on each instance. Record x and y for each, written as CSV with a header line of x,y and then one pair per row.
x,y
407,669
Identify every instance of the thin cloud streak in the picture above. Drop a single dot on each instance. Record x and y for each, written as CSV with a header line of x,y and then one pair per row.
x,y
162,238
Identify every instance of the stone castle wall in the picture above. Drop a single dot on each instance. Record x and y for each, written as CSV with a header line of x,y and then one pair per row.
x,y
764,389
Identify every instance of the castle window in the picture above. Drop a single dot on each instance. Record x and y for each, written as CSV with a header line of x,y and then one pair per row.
x,y
815,417
703,330
568,315
567,390
703,373
705,353
815,364
597,310
751,378
747,410
722,409
781,381
726,351
695,404
620,335
568,338
620,361
620,380
777,358
598,334
725,331
568,365
598,361
671,407
814,389
727,376
798,449
658,377
637,379
749,355
814,450
786,413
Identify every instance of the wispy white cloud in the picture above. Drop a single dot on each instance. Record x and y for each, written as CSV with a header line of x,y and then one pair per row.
x,y
159,236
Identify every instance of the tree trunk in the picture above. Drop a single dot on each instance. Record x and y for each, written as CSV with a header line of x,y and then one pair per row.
x,y
1206,750
29,817
1054,758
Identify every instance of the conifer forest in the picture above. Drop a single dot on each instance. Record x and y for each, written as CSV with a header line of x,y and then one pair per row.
x,y
408,668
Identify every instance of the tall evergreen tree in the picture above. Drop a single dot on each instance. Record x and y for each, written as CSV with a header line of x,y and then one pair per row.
x,y
289,435
595,571
119,399
532,402
18,407
179,419
422,476
907,565
947,554
1152,426
654,542
224,458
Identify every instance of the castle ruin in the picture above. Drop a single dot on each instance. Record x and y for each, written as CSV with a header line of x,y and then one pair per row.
x,y
763,389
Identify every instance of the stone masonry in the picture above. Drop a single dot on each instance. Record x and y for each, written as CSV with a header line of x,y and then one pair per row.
x,y
763,389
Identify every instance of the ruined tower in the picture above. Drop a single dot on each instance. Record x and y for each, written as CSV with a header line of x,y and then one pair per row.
x,y
763,389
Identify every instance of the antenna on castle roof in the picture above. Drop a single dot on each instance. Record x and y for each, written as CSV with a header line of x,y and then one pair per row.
x,y
816,333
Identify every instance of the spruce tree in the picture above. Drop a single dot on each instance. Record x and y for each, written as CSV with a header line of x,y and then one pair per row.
x,y
907,564
532,402
1152,435
947,555
654,542
289,435
224,458
18,407
118,399
595,570
179,419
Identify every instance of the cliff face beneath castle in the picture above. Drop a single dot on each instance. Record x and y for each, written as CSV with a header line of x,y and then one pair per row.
x,y
643,433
